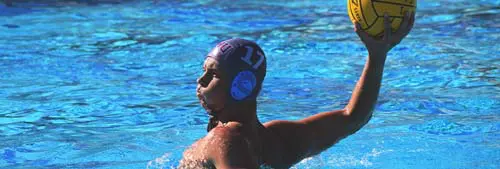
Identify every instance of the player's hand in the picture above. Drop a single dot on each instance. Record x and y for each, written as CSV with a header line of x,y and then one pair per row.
x,y
389,39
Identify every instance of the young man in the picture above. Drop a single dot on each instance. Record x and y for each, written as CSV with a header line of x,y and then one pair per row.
x,y
234,71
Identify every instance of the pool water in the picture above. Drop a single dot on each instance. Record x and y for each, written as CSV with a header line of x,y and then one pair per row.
x,y
112,85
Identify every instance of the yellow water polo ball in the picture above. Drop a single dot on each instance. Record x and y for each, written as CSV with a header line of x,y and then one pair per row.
x,y
370,13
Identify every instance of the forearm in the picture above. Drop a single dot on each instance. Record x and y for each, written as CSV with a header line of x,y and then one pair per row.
x,y
330,127
364,96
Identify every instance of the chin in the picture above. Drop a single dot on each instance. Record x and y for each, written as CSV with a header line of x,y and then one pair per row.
x,y
210,112
207,108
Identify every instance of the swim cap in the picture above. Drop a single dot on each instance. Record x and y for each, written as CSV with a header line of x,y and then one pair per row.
x,y
245,63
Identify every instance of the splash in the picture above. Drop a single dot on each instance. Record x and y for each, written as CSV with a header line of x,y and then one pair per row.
x,y
160,163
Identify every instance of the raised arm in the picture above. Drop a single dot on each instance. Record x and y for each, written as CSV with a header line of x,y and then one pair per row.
x,y
365,93
335,125
318,132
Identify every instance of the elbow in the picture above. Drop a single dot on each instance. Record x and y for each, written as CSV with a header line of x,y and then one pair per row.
x,y
358,117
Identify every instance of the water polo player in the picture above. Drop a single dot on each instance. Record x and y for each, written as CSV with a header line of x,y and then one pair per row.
x,y
233,74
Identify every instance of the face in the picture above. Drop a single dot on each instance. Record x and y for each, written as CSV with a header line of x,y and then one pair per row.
x,y
212,87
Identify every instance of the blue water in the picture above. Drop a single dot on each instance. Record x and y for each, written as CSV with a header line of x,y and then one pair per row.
x,y
112,85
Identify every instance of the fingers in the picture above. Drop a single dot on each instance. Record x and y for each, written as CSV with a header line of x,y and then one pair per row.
x,y
412,20
357,27
362,34
407,24
387,28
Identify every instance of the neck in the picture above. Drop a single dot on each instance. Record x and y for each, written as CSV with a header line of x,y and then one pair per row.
x,y
244,116
243,113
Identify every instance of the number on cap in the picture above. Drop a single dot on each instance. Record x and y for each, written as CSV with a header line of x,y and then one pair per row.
x,y
248,56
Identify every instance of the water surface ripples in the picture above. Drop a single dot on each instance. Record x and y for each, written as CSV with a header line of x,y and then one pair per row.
x,y
112,85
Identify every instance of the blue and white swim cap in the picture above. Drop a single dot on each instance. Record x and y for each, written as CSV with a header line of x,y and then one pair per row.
x,y
245,63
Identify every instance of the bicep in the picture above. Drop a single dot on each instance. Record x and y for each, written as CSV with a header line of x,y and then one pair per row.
x,y
313,134
328,128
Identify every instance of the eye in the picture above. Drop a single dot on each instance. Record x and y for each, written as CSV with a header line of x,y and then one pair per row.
x,y
205,79
211,72
214,74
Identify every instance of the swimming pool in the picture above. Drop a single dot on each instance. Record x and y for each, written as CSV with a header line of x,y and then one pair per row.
x,y
113,85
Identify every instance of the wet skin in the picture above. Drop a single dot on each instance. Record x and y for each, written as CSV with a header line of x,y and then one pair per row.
x,y
238,140
212,85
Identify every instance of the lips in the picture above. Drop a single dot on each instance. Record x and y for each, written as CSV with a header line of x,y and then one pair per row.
x,y
201,98
198,93
203,102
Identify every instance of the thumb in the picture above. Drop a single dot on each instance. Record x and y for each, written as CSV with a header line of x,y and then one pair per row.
x,y
362,34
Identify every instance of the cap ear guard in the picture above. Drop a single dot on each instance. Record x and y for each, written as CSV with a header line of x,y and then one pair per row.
x,y
243,85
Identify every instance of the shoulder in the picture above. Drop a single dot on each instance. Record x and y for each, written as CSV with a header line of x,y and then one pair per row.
x,y
224,134
217,139
229,148
211,149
